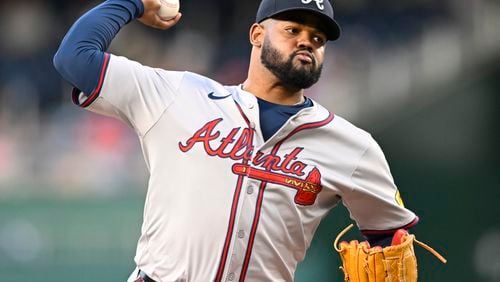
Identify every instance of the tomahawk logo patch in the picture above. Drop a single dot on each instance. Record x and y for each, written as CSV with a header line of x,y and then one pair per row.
x,y
307,189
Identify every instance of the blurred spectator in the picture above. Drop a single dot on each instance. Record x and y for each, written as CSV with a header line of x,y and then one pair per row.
x,y
27,35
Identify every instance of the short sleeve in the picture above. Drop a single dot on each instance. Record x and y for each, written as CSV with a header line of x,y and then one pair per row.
x,y
374,202
131,92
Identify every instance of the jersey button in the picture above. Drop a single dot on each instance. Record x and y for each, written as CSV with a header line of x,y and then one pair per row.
x,y
241,234
230,276
249,190
252,124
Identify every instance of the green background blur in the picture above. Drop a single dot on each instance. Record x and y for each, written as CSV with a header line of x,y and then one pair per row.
x,y
72,185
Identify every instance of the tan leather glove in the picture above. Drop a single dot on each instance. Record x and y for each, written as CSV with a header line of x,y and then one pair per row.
x,y
362,263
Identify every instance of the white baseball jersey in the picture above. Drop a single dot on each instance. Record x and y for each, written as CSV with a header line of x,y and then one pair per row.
x,y
222,203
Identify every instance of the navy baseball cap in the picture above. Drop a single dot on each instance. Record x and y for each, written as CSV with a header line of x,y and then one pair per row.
x,y
322,8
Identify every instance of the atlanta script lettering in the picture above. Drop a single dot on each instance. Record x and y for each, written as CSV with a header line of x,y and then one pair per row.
x,y
237,145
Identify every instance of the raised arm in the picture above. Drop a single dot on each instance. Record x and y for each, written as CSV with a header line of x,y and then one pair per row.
x,y
81,55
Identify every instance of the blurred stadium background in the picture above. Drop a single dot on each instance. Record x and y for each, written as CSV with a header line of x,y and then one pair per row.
x,y
422,76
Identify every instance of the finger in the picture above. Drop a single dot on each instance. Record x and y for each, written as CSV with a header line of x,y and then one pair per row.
x,y
165,24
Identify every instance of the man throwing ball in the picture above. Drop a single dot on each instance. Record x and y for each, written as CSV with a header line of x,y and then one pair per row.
x,y
240,175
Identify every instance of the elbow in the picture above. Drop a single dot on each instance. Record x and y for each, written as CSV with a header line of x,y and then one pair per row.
x,y
57,61
60,61
66,63
78,66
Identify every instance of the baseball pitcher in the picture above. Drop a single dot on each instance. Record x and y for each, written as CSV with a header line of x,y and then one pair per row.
x,y
240,176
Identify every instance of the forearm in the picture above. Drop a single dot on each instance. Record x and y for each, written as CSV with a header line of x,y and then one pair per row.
x,y
81,54
382,240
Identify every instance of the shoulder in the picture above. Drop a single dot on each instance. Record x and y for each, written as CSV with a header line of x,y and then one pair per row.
x,y
121,64
347,128
341,133
197,83
341,126
195,78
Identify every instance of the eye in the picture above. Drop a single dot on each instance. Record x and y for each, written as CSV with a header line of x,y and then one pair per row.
x,y
292,30
320,39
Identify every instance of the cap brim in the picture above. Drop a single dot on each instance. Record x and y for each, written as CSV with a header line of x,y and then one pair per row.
x,y
328,25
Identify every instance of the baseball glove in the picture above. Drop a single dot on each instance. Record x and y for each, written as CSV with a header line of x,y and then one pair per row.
x,y
395,263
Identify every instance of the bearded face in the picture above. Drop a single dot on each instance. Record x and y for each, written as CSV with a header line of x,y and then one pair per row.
x,y
291,71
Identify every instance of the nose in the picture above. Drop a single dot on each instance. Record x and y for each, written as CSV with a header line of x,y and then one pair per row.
x,y
304,42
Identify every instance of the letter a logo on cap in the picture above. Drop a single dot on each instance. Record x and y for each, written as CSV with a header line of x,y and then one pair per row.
x,y
319,3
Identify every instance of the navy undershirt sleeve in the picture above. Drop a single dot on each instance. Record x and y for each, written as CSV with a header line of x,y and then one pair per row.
x,y
382,240
80,56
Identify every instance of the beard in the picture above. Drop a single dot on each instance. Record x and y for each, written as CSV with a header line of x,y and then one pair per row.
x,y
300,77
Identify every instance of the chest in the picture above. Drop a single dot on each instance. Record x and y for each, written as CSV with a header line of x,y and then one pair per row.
x,y
293,158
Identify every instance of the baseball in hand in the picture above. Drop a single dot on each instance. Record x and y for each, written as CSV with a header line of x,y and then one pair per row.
x,y
168,9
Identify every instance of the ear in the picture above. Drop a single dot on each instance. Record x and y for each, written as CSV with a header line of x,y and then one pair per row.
x,y
256,35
